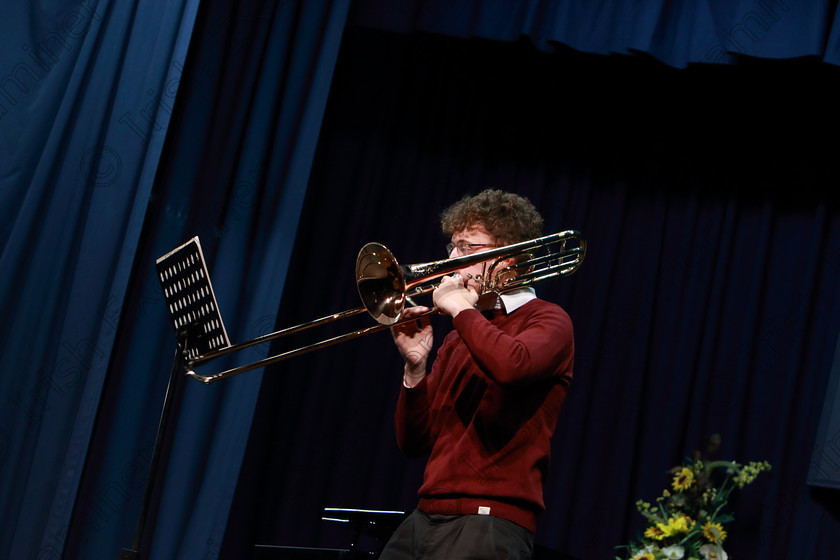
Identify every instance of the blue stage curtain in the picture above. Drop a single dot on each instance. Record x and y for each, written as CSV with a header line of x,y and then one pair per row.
x,y
86,93
675,32
824,471
234,172
90,198
707,303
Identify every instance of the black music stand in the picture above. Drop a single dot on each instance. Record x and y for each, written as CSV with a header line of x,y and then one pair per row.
x,y
198,330
192,304
377,523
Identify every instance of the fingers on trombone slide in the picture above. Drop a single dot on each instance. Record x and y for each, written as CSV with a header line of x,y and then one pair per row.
x,y
415,311
407,323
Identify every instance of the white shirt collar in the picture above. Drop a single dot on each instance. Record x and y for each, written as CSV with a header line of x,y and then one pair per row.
x,y
515,299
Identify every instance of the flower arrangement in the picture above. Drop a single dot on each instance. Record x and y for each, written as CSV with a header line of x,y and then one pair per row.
x,y
689,519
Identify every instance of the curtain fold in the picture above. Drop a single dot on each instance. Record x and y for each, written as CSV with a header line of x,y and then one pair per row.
x,y
82,119
677,33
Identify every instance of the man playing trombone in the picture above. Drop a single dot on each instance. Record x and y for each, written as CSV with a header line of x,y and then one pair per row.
x,y
486,408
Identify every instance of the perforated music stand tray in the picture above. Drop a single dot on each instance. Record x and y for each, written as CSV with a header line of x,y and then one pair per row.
x,y
192,304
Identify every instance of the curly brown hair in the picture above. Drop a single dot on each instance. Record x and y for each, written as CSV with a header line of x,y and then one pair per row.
x,y
508,217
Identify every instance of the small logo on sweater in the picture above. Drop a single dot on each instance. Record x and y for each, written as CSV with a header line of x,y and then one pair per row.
x,y
483,510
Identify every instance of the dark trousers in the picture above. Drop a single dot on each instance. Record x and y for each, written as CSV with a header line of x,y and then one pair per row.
x,y
458,537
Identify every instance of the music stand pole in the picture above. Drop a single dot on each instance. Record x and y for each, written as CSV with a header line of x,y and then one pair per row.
x,y
133,553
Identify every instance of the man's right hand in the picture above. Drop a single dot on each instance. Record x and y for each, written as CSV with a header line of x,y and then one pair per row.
x,y
414,341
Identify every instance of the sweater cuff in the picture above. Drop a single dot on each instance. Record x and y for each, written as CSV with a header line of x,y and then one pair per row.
x,y
414,392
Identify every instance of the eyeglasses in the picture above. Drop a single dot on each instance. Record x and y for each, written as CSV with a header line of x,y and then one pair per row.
x,y
466,248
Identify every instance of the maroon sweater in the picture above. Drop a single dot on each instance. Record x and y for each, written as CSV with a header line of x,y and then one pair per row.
x,y
486,412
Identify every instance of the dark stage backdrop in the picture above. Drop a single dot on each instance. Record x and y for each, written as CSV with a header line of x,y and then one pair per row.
x,y
707,304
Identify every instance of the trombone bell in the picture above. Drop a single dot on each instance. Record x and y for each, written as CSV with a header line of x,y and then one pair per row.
x,y
381,283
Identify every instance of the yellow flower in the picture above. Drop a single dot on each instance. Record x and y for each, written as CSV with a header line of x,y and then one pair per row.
x,y
643,506
714,532
683,480
654,533
750,472
642,555
678,525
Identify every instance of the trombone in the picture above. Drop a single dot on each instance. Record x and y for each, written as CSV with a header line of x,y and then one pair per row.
x,y
385,286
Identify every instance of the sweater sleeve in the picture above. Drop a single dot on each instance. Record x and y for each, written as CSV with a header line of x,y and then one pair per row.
x,y
412,419
544,345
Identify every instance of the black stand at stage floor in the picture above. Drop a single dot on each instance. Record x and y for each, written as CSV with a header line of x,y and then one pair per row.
x,y
377,524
